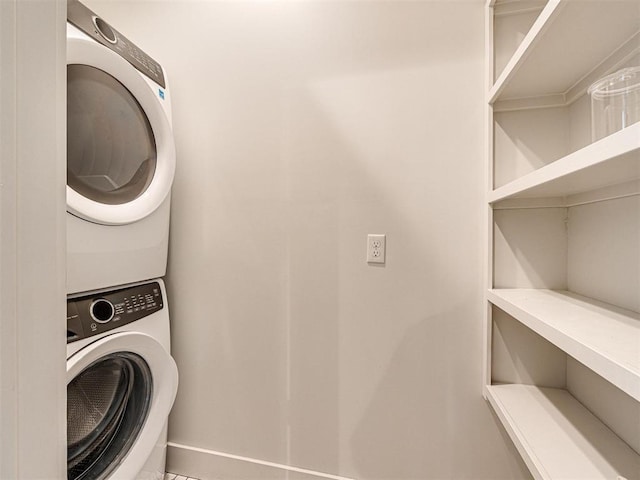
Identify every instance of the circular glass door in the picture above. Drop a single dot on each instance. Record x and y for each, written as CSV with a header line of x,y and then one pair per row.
x,y
111,150
107,405
120,150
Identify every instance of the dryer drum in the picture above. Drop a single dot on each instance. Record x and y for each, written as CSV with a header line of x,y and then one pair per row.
x,y
111,148
107,405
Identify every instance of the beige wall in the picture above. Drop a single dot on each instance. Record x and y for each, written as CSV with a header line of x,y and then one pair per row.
x,y
32,239
300,128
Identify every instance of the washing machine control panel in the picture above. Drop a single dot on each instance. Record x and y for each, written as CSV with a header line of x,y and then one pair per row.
x,y
103,33
98,313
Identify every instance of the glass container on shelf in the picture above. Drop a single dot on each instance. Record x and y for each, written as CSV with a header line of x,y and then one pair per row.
x,y
615,102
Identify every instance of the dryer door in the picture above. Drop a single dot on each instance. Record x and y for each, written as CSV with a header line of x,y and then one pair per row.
x,y
120,150
120,390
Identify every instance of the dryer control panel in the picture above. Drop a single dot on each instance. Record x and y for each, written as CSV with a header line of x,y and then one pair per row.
x,y
100,312
103,33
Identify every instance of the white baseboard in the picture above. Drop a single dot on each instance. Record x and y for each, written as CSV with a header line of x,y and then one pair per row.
x,y
211,465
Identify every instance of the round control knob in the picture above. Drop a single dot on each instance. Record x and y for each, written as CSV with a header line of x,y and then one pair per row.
x,y
105,30
102,310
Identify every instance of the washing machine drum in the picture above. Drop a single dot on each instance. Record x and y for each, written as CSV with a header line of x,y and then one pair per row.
x,y
107,405
120,150
120,390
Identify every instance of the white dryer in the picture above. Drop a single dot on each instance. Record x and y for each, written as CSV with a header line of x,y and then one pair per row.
x,y
120,157
121,383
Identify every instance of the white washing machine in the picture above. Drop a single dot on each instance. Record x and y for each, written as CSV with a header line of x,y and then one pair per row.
x,y
121,383
120,157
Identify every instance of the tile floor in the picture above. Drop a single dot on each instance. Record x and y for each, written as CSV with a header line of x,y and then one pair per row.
x,y
175,476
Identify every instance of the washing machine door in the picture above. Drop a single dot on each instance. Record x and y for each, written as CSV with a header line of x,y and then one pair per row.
x,y
120,390
120,149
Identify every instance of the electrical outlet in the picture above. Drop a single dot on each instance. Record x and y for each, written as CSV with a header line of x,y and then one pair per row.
x,y
376,248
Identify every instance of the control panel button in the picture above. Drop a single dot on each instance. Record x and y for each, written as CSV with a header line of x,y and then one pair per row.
x,y
105,30
102,310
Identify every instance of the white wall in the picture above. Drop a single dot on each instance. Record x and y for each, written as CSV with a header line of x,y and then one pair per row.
x,y
300,128
32,239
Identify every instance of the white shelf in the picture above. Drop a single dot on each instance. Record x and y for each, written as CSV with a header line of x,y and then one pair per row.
x,y
603,337
569,44
609,161
558,437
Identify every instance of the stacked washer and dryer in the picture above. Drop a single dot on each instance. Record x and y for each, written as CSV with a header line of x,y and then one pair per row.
x,y
121,378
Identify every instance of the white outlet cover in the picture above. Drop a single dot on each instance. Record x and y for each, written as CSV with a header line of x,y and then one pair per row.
x,y
376,248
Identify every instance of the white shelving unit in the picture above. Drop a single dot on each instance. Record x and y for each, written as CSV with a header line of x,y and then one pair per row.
x,y
562,363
